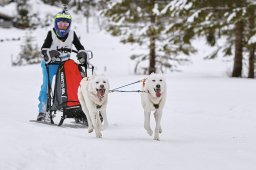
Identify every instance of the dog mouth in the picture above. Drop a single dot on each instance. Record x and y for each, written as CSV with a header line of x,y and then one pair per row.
x,y
158,92
101,92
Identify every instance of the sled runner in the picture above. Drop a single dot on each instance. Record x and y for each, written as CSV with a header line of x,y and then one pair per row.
x,y
63,97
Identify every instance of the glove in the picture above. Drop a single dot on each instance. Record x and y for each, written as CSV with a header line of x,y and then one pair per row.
x,y
54,54
82,56
50,55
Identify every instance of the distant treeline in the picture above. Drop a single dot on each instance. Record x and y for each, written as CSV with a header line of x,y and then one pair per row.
x,y
166,29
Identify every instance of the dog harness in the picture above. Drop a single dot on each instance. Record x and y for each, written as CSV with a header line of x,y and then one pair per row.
x,y
156,106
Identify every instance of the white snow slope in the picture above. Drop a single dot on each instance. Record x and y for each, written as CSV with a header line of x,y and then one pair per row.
x,y
209,120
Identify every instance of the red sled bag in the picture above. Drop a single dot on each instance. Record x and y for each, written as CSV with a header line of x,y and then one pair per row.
x,y
67,82
73,78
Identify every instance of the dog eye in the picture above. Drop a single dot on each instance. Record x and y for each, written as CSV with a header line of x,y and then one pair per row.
x,y
153,80
104,81
97,82
161,80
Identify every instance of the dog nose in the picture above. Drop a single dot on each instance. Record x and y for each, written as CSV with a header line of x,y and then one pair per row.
x,y
158,86
102,86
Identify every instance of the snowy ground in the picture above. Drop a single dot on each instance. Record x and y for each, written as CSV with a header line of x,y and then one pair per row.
x,y
208,121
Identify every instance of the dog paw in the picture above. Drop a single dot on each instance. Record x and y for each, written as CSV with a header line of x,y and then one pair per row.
x,y
90,129
150,132
160,130
99,135
156,137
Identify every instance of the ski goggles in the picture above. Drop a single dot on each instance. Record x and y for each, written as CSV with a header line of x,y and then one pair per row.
x,y
63,25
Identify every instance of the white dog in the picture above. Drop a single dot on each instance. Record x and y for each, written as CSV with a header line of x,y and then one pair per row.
x,y
93,97
153,99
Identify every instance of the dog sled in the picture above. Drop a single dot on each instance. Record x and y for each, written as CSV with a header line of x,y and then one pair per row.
x,y
62,96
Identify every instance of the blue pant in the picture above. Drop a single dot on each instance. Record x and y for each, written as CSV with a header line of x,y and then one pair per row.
x,y
44,88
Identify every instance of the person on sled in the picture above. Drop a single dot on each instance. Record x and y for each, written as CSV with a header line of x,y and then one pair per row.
x,y
61,36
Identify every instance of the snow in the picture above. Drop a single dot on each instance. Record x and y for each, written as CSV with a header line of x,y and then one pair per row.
x,y
156,10
208,120
8,9
252,40
177,4
193,16
231,16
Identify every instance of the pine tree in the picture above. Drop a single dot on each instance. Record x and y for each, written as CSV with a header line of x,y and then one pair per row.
x,y
22,19
86,6
151,24
50,2
252,46
29,53
229,19
169,26
241,19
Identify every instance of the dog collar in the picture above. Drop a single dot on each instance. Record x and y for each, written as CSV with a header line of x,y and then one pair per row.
x,y
156,106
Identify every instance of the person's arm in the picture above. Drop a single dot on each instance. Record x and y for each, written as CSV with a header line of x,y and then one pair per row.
x,y
47,44
47,41
81,55
77,43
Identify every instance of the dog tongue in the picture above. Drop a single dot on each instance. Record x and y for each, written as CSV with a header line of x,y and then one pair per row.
x,y
158,92
100,93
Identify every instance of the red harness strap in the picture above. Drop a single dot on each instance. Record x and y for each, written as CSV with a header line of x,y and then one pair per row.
x,y
143,82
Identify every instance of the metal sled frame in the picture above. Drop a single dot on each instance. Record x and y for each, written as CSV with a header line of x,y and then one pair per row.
x,y
68,112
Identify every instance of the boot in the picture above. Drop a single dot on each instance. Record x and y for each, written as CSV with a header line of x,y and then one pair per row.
x,y
41,116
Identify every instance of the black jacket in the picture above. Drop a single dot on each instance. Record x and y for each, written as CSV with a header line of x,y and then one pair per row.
x,y
48,41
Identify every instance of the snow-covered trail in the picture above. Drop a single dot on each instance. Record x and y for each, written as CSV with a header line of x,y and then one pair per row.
x,y
207,123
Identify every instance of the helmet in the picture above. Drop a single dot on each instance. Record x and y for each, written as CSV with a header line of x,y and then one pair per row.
x,y
62,23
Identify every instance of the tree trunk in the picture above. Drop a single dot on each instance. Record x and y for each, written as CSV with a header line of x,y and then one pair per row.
x,y
152,47
152,56
251,11
74,3
251,62
238,65
79,7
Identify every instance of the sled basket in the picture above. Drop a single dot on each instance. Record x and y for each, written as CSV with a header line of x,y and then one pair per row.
x,y
67,82
65,97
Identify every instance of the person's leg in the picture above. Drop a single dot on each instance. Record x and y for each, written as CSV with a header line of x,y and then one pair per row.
x,y
44,88
43,92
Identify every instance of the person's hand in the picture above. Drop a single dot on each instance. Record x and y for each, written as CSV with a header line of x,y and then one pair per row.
x,y
54,54
82,56
44,55
50,55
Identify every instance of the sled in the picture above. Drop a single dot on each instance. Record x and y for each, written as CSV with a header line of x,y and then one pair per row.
x,y
63,97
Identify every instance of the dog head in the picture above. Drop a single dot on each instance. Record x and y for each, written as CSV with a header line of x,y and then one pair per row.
x,y
99,86
155,84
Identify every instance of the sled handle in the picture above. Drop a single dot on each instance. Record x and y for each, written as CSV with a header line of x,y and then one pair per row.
x,y
88,52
